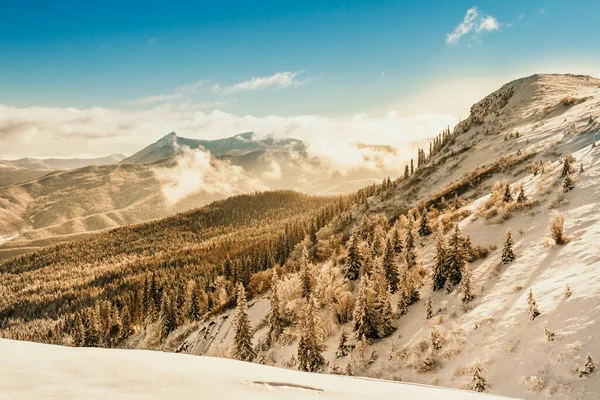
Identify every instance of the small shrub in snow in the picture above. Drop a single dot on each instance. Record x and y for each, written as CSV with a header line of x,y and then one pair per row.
x,y
478,382
568,292
438,337
568,184
556,227
549,335
533,383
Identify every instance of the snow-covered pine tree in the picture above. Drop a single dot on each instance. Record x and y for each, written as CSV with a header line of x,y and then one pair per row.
x,y
589,366
389,266
354,259
508,254
310,346
478,382
566,169
568,184
507,198
429,308
343,347
581,171
386,326
365,319
533,309
467,284
397,240
456,259
275,321
522,198
440,265
409,245
242,341
166,317
424,228
305,274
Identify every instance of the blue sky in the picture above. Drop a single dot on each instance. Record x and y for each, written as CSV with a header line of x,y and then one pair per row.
x,y
329,58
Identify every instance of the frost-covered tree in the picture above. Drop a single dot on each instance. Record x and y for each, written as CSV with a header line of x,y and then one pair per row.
x,y
409,245
533,309
310,346
478,382
566,168
275,321
386,325
305,275
508,254
429,308
467,285
556,227
409,290
568,184
507,198
242,341
424,228
365,316
589,366
456,259
440,264
343,346
522,198
354,259
397,240
389,266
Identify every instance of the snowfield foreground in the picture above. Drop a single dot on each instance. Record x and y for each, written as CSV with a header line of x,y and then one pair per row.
x,y
34,371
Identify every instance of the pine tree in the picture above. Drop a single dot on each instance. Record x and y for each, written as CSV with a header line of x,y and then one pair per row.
x,y
194,303
78,331
353,261
507,198
429,308
508,254
397,240
566,169
242,342
581,171
440,266
126,323
275,321
589,366
522,198
343,347
167,315
478,382
466,283
533,309
389,266
305,275
456,259
310,347
364,315
386,326
424,228
409,245
549,334
568,292
568,184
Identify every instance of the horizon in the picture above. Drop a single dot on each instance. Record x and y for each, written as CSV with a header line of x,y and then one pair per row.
x,y
381,73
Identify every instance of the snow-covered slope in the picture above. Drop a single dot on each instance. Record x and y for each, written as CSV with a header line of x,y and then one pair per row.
x,y
36,371
554,115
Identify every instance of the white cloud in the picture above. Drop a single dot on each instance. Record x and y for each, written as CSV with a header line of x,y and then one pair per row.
x,y
180,93
473,21
277,80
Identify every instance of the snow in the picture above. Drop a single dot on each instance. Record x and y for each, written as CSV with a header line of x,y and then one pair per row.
x,y
33,371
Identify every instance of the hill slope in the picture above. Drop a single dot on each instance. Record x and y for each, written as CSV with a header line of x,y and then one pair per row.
x,y
33,371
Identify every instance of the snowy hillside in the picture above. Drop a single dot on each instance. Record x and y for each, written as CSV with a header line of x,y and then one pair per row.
x,y
34,371
521,133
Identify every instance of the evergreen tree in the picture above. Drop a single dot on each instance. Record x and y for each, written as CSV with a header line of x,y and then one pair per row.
x,y
568,184
389,266
424,228
522,198
194,303
566,169
92,329
275,321
167,315
126,323
397,240
409,245
429,308
549,334
466,282
78,331
568,292
364,316
440,265
386,326
533,309
581,171
589,366
242,342
478,382
305,275
508,254
456,259
343,347
507,198
353,261
310,347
